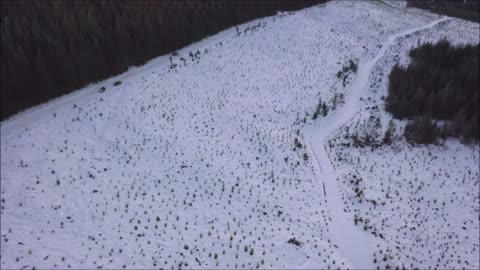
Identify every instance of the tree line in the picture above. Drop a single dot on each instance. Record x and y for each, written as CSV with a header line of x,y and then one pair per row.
x,y
50,48
464,9
439,91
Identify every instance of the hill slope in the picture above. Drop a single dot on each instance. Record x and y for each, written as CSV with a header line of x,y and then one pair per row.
x,y
202,159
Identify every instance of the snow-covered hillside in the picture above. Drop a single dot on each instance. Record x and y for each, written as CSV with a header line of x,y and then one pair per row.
x,y
207,158
422,201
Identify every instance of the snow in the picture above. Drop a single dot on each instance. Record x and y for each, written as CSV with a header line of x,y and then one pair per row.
x,y
343,229
396,3
423,196
199,161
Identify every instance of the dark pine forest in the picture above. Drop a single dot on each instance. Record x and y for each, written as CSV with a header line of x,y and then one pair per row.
x,y
439,91
50,48
464,9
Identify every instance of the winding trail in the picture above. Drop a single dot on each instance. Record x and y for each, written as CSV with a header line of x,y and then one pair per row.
x,y
355,245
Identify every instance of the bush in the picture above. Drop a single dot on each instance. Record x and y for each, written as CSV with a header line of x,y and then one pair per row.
x,y
421,130
294,241
346,69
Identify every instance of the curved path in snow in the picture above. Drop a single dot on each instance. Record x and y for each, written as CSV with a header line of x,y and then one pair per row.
x,y
355,245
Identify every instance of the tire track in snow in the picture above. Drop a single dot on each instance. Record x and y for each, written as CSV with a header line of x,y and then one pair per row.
x,y
355,245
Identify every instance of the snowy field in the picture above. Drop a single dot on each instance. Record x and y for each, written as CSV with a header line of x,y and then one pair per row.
x,y
423,201
208,158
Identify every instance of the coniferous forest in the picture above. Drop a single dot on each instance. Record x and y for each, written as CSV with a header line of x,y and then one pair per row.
x,y
439,90
50,48
464,9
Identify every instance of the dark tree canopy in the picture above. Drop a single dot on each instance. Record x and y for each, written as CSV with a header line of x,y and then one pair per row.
x,y
50,48
464,9
441,83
